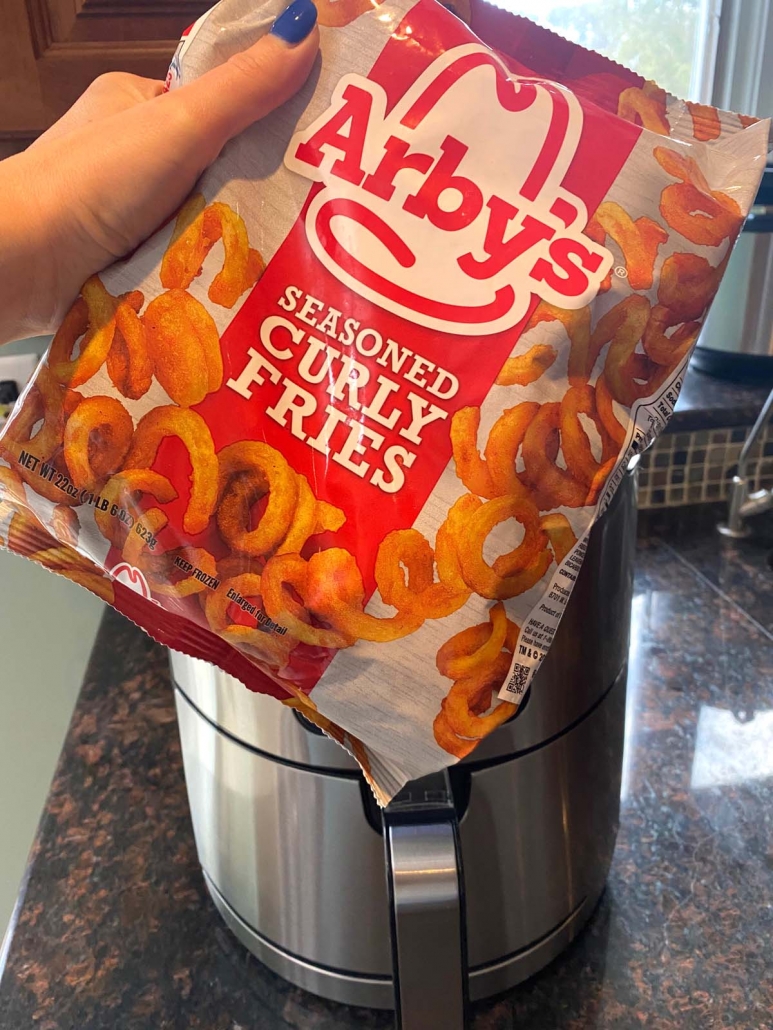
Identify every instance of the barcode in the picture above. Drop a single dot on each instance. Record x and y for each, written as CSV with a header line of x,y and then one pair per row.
x,y
519,679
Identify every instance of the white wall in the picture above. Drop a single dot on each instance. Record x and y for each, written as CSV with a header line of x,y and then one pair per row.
x,y
36,345
47,629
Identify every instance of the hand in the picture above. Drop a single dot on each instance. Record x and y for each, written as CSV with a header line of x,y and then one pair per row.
x,y
120,161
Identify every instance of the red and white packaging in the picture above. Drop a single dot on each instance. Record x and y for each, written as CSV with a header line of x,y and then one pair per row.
x,y
342,427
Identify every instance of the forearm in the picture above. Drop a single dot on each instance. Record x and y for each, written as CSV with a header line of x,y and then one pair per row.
x,y
25,267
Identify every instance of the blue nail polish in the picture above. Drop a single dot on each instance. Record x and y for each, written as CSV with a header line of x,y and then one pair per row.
x,y
295,22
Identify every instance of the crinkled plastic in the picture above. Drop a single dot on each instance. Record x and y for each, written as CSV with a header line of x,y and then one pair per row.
x,y
342,426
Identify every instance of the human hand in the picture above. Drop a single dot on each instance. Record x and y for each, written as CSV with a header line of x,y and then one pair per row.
x,y
121,160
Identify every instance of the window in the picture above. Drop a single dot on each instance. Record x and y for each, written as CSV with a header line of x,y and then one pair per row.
x,y
670,41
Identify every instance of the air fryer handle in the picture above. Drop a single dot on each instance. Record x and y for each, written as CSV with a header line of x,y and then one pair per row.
x,y
424,872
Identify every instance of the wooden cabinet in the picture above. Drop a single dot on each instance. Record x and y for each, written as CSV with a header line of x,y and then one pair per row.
x,y
50,50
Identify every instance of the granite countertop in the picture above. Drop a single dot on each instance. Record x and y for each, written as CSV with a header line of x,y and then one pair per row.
x,y
114,928
706,402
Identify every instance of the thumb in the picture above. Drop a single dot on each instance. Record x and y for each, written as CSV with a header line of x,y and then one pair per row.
x,y
252,83
119,177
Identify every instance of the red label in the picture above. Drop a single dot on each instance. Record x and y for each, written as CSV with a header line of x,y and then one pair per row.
x,y
357,391
447,206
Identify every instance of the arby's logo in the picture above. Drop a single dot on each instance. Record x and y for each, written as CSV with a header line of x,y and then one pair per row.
x,y
132,578
449,209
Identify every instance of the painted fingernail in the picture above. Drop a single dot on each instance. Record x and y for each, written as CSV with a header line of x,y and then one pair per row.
x,y
295,22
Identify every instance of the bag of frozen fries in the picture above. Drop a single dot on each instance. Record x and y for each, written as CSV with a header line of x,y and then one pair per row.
x,y
345,422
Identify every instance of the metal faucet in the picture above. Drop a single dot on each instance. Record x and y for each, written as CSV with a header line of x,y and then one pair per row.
x,y
742,503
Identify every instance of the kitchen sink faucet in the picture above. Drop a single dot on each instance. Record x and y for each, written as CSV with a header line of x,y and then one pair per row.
x,y
742,502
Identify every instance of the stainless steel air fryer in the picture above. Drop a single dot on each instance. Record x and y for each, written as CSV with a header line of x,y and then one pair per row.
x,y
736,341
369,909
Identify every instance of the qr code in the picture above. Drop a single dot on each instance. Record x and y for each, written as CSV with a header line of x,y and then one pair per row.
x,y
519,680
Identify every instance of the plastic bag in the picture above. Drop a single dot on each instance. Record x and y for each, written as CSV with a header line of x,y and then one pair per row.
x,y
343,425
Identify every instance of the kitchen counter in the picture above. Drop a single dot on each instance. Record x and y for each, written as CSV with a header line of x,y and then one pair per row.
x,y
706,402
114,928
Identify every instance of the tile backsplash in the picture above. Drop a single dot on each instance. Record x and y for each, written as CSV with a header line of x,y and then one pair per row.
x,y
696,468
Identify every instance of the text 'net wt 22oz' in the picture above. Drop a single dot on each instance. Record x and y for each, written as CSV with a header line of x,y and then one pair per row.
x,y
342,426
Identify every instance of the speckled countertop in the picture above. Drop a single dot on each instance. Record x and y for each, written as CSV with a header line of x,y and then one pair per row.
x,y
115,930
706,402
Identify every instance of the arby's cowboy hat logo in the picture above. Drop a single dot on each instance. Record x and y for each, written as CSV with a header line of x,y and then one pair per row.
x,y
132,578
449,209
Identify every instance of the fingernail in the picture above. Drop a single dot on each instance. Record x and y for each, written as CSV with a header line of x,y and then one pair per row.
x,y
295,22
